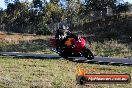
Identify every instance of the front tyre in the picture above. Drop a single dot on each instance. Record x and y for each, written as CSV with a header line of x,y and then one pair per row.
x,y
63,54
87,54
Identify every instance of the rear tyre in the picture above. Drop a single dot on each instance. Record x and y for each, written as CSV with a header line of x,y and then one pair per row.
x,y
87,54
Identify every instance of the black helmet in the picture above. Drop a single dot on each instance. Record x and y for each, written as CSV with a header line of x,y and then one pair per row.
x,y
63,26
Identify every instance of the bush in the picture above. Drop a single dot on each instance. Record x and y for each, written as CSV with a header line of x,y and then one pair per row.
x,y
43,30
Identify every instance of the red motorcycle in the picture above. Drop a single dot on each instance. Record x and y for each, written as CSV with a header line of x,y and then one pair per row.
x,y
72,48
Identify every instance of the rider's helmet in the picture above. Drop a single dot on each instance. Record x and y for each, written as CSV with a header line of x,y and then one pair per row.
x,y
63,28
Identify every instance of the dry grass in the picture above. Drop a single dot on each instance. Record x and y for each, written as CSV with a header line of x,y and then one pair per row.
x,y
35,73
17,37
111,49
24,43
17,73
39,44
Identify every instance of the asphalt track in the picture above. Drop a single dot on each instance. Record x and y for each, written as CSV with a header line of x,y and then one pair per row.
x,y
96,60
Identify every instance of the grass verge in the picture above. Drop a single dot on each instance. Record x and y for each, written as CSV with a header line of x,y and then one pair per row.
x,y
39,44
50,73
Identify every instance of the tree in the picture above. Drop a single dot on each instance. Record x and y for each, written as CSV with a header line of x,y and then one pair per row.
x,y
16,15
72,12
123,7
99,5
53,12
37,4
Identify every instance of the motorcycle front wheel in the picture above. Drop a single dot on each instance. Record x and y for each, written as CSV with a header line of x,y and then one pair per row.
x,y
87,53
63,54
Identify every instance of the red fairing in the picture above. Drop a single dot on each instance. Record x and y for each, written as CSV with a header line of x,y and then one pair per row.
x,y
52,42
80,45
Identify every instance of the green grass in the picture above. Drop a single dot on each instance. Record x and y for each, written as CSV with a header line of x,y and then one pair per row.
x,y
38,73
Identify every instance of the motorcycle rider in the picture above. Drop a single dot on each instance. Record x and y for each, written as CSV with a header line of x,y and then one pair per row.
x,y
63,34
66,46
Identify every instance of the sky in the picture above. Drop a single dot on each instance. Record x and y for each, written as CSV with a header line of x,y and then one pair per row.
x,y
3,5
